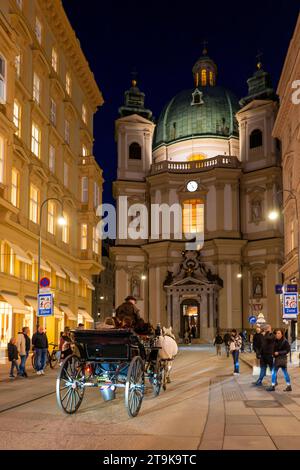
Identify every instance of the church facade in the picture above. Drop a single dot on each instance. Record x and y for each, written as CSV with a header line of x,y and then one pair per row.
x,y
206,148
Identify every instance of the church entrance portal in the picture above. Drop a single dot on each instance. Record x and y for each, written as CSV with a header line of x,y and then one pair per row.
x,y
190,318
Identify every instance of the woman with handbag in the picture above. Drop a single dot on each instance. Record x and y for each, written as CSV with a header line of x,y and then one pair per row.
x,y
280,354
235,347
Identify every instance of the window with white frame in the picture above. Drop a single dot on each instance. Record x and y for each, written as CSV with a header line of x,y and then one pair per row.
x,y
84,151
67,131
1,159
36,90
15,187
3,79
95,241
35,140
38,29
84,113
17,117
54,59
34,204
83,242
84,189
52,158
66,174
96,194
65,229
51,217
52,111
68,83
18,65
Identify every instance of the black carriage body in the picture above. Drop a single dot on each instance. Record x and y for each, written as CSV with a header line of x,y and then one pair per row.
x,y
111,345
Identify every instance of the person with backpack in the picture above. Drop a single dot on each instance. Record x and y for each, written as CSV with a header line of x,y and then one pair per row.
x,y
23,346
280,354
218,341
13,357
235,347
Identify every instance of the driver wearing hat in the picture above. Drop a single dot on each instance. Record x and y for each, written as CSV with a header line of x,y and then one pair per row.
x,y
128,310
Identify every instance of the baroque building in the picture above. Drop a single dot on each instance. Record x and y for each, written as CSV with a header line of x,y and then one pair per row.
x,y
212,151
48,96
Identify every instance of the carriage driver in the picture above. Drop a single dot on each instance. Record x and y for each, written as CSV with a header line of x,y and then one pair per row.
x,y
128,309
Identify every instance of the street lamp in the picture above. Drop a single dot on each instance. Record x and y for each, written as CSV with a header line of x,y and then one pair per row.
x,y
61,221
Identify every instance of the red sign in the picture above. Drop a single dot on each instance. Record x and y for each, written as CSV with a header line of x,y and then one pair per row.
x,y
45,282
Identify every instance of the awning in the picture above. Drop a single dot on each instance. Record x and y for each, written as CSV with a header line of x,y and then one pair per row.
x,y
88,283
68,312
20,254
58,270
15,302
72,276
85,315
32,302
44,265
58,313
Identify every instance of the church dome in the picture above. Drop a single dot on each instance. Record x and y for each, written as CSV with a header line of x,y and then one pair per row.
x,y
205,111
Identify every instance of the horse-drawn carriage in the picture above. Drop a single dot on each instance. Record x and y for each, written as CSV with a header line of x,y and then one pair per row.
x,y
110,359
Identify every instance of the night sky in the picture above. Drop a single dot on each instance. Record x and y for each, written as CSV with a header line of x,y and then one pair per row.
x,y
163,40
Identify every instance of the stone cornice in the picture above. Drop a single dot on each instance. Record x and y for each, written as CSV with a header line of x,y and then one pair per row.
x,y
65,35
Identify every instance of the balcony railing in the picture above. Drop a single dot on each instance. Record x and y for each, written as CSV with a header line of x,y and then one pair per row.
x,y
220,161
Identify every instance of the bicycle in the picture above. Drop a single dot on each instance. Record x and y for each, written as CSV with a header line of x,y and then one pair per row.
x,y
51,360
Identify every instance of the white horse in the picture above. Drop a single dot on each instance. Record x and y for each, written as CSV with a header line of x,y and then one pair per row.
x,y
167,352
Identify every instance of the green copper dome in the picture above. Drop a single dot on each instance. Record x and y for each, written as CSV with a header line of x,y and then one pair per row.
x,y
203,112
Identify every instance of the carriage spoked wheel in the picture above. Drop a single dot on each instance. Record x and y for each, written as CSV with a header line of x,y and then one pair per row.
x,y
70,384
134,390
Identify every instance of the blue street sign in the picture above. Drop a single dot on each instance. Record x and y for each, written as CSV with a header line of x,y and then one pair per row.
x,y
252,319
291,288
278,288
45,305
290,305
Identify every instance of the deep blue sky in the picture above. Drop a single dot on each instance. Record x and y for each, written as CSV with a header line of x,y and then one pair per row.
x,y
163,39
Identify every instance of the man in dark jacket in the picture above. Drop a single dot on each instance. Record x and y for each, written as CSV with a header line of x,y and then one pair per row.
x,y
128,310
12,351
257,342
40,344
266,353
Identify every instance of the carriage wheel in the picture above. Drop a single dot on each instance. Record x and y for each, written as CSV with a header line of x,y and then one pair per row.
x,y
134,390
69,385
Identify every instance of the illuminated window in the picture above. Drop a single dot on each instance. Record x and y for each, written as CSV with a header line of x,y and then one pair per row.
x,y
65,229
52,112
84,189
84,114
18,65
15,187
1,159
52,159
203,77
36,91
193,216
17,118
95,241
33,204
38,30
84,151
54,59
211,78
66,174
51,217
68,83
2,79
96,194
67,131
83,236
35,140
11,262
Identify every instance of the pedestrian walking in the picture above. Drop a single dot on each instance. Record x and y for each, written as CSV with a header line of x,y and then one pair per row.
x,y
40,344
257,343
280,354
235,347
218,341
13,357
65,344
227,340
266,353
251,336
23,346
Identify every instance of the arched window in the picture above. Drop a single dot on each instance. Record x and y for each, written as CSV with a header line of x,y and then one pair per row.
x,y
256,138
135,151
203,77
